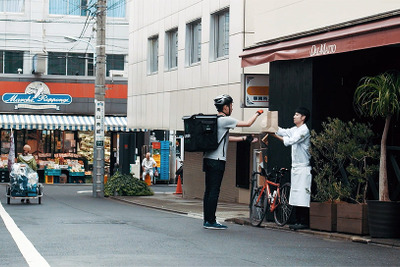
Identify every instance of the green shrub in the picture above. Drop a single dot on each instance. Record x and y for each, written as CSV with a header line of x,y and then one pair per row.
x,y
126,185
344,160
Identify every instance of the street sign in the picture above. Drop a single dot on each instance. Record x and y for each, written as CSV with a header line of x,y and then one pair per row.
x,y
99,123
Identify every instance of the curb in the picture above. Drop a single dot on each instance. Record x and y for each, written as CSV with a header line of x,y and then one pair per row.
x,y
338,236
148,206
271,225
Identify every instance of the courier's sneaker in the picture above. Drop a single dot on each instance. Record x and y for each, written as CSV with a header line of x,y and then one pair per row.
x,y
216,226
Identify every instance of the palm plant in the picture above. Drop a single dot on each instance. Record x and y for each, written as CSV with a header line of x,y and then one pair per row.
x,y
379,96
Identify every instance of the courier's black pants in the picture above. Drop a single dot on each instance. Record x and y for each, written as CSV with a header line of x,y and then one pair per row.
x,y
214,170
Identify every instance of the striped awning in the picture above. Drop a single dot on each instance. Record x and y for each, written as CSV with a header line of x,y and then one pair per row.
x,y
60,122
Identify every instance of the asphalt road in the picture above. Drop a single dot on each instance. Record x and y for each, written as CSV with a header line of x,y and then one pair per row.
x,y
71,228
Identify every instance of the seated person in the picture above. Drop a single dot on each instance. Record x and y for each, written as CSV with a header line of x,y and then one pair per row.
x,y
148,164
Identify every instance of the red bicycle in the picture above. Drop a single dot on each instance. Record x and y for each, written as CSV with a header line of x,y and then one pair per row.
x,y
266,200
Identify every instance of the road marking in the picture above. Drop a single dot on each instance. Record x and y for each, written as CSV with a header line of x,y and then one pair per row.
x,y
84,191
31,255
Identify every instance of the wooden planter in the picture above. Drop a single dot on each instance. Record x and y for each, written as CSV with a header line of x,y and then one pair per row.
x,y
323,216
352,218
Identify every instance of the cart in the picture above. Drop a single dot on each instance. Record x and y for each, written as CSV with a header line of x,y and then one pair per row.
x,y
23,184
16,193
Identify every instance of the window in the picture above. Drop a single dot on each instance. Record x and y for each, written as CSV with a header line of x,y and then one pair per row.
x,y
56,64
71,7
153,54
16,6
220,34
11,61
116,8
76,64
171,49
114,62
70,64
193,42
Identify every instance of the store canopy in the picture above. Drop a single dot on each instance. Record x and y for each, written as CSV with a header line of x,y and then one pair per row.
x,y
60,122
329,41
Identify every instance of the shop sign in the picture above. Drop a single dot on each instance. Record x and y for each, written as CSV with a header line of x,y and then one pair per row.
x,y
37,96
256,87
322,49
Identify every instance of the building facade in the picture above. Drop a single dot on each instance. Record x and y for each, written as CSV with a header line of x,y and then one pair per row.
x,y
182,55
315,53
47,76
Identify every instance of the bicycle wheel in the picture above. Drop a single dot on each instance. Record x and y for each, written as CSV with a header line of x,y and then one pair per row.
x,y
283,210
258,209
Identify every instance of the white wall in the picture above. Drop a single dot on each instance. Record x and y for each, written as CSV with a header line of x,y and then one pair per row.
x,y
159,101
278,18
35,31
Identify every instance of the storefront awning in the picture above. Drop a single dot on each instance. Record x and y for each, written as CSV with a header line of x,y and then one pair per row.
x,y
61,122
373,34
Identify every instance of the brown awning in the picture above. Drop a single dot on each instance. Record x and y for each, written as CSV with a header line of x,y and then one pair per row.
x,y
373,34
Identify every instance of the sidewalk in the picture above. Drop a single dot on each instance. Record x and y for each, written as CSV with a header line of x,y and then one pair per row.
x,y
234,213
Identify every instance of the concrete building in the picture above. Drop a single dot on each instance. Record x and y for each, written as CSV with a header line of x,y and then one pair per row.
x,y
183,54
47,74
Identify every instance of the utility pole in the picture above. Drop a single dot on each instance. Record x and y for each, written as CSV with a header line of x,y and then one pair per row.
x,y
99,101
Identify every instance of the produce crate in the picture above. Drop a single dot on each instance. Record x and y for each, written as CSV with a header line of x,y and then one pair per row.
x,y
156,145
52,172
75,177
49,179
4,175
76,173
164,175
164,145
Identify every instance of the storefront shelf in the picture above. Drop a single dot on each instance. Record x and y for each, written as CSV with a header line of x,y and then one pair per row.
x,y
52,172
76,173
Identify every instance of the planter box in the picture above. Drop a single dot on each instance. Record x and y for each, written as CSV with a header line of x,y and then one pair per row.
x,y
352,218
323,216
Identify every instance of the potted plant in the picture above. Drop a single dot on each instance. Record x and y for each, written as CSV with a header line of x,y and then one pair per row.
x,y
343,162
361,167
328,187
379,96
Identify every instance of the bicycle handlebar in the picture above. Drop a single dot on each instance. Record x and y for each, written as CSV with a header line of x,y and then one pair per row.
x,y
281,171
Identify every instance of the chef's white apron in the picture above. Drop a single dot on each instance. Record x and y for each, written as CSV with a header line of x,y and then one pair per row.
x,y
300,189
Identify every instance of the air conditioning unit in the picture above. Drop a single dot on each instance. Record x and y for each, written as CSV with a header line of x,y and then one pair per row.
x,y
117,73
39,63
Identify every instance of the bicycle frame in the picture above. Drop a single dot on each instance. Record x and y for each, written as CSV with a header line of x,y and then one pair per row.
x,y
276,199
262,202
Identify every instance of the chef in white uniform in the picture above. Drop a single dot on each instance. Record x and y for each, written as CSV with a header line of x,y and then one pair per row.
x,y
299,138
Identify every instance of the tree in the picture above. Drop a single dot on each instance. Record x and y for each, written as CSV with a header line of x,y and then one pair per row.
x,y
379,96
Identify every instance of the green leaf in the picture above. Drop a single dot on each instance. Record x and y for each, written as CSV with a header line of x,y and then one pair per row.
x,y
126,185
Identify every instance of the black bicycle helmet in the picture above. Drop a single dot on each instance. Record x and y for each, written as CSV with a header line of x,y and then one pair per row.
x,y
222,100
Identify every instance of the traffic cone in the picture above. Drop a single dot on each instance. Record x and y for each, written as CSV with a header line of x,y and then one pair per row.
x,y
178,187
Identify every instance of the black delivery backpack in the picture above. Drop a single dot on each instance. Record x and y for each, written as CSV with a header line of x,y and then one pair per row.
x,y
201,132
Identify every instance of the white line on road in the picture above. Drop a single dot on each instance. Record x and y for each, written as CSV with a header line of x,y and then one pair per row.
x,y
84,191
31,255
